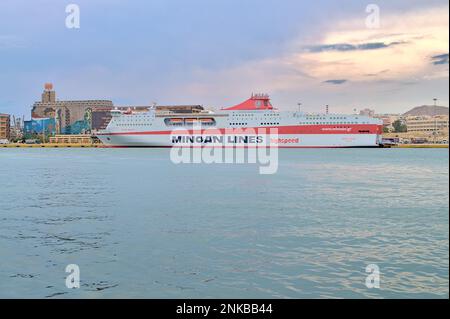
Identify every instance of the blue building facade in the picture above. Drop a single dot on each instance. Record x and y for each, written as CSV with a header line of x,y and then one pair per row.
x,y
45,126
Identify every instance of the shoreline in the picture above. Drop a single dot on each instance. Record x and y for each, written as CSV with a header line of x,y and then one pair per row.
x,y
77,145
50,145
420,146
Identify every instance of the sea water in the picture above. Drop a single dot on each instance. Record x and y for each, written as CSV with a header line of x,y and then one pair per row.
x,y
139,226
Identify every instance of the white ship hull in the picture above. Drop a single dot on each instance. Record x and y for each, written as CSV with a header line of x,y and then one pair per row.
x,y
284,141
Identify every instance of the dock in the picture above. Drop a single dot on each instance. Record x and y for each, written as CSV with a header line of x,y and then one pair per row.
x,y
420,146
99,145
50,145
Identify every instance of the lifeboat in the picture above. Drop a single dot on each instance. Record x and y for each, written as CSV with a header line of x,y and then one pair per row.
x,y
173,121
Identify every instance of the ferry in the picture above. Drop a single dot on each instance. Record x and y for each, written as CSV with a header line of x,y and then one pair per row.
x,y
254,122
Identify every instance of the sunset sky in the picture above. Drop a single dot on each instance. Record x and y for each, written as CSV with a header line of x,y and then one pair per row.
x,y
217,53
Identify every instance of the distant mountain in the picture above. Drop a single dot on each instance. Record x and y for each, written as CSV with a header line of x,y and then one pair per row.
x,y
427,110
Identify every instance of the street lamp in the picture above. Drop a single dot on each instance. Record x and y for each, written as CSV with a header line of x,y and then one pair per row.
x,y
435,119
299,106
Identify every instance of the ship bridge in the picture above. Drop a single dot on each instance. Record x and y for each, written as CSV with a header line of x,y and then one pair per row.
x,y
255,103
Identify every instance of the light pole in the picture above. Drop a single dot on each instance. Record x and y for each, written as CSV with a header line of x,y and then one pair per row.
x,y
299,106
435,119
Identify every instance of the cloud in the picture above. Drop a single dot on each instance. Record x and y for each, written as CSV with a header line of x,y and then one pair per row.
x,y
393,59
440,59
403,45
377,73
340,81
350,47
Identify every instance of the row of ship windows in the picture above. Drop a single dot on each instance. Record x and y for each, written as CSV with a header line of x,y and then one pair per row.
x,y
133,124
308,117
328,118
235,123
142,122
142,117
136,119
275,123
240,116
332,123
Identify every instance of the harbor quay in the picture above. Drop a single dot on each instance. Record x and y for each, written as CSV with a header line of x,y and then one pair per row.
x,y
100,123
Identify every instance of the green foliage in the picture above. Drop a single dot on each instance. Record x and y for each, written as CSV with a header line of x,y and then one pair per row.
x,y
399,127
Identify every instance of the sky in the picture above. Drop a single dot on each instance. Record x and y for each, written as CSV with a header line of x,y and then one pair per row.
x,y
217,53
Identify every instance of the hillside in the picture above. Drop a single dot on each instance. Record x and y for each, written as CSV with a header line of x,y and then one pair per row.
x,y
427,110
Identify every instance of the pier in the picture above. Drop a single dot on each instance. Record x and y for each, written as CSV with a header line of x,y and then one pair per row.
x,y
49,145
99,145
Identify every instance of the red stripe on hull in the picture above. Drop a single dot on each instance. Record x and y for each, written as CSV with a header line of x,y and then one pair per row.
x,y
122,146
294,129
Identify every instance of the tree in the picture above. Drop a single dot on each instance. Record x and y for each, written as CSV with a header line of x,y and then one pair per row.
x,y
399,126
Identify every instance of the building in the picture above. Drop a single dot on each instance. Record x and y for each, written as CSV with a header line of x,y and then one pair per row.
x,y
179,108
71,117
367,112
388,120
427,123
46,126
16,129
83,139
83,116
5,127
100,118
